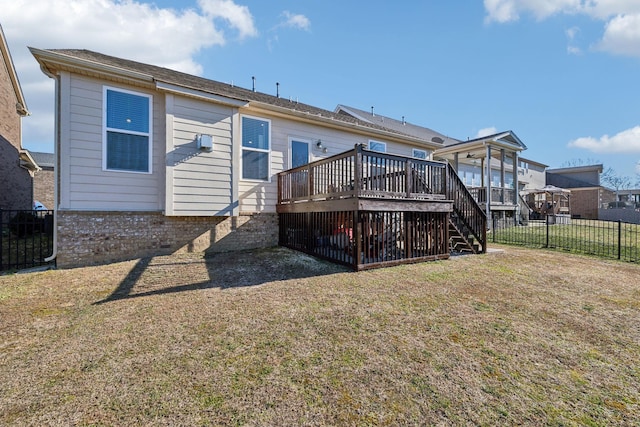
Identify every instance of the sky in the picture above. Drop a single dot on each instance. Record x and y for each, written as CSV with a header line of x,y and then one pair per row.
x,y
563,75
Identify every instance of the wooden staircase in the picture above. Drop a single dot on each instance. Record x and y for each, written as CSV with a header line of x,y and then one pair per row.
x,y
461,241
467,222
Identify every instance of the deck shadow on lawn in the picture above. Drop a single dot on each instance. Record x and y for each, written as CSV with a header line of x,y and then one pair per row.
x,y
230,270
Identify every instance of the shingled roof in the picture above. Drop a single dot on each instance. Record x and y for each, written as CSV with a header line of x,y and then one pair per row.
x,y
166,75
402,126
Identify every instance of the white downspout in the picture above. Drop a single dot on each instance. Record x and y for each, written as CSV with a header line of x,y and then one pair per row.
x,y
56,165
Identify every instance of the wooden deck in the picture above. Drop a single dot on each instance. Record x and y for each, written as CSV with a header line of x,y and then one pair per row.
x,y
367,209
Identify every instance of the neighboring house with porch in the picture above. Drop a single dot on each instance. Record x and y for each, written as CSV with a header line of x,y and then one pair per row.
x,y
488,166
16,164
153,161
469,159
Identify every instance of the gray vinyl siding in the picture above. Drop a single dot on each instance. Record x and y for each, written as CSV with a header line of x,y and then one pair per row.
x,y
85,184
262,196
199,182
185,181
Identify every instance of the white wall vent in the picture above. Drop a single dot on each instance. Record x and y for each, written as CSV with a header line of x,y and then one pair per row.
x,y
205,142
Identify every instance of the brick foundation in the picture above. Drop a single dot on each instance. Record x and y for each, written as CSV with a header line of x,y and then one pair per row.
x,y
86,238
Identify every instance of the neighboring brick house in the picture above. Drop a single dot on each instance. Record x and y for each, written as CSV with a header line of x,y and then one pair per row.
x,y
587,195
16,164
153,161
43,179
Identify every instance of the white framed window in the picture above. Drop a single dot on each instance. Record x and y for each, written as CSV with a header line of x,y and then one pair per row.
x,y
298,152
256,148
127,142
419,154
378,146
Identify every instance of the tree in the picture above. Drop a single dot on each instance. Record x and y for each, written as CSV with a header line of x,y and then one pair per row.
x,y
580,162
610,178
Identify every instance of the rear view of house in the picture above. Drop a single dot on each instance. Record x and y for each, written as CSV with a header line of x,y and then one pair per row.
x,y
154,161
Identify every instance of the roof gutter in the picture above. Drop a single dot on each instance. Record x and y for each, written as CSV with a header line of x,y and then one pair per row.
x,y
28,162
52,61
199,94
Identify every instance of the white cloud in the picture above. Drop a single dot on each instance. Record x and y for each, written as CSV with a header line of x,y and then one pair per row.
x,y
622,35
501,11
237,16
288,20
573,50
572,33
296,21
130,29
622,19
510,10
627,141
486,132
604,9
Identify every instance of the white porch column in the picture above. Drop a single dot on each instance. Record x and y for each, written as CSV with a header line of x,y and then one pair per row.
x,y
515,177
516,192
488,182
502,175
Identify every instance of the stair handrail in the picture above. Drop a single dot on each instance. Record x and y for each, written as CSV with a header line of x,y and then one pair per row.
x,y
466,207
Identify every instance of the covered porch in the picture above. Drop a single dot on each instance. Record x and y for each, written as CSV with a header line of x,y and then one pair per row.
x,y
488,167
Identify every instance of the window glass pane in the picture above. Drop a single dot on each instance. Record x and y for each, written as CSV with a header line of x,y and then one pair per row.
x,y
299,153
419,154
127,111
127,152
255,165
378,146
255,133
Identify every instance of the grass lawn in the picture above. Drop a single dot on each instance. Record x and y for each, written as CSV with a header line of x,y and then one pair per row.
x,y
277,338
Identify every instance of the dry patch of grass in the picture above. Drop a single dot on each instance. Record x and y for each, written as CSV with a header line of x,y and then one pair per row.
x,y
278,338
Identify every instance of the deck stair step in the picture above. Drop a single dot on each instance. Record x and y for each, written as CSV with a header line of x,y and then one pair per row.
x,y
459,240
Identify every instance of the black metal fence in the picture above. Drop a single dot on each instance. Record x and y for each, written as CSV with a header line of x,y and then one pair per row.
x,y
607,239
26,239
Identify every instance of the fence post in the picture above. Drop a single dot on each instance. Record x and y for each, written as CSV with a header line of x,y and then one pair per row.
x,y
547,221
1,242
619,239
493,228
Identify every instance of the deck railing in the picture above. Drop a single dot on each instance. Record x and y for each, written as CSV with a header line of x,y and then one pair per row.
x,y
363,173
360,173
499,195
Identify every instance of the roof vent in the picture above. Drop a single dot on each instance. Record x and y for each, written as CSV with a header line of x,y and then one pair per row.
x,y
372,113
253,87
277,90
403,121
